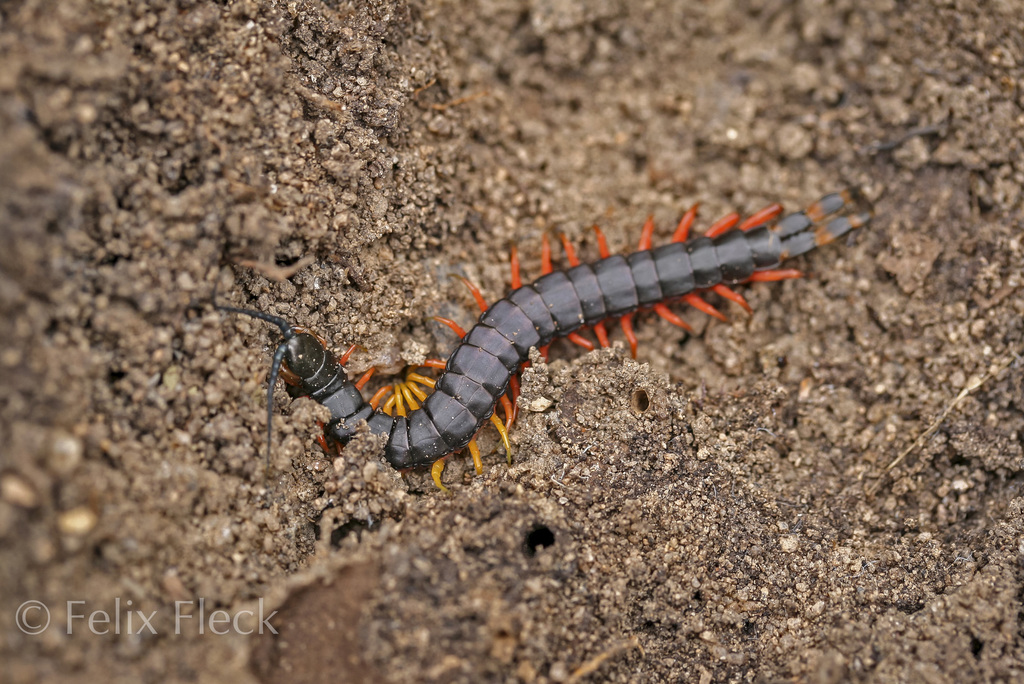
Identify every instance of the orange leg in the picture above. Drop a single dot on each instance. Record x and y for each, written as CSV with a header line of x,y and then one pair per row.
x,y
602,243
694,300
685,223
456,328
506,406
329,445
761,217
366,378
627,329
576,338
647,233
545,255
570,251
513,389
732,295
344,357
517,279
602,335
671,317
722,225
475,291
379,395
775,275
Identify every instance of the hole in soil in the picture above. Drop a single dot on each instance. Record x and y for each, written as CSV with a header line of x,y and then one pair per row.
x,y
909,607
640,401
342,531
540,537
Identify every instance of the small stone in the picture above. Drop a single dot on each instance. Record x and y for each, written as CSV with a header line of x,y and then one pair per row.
x,y
370,470
559,672
539,405
789,543
65,453
793,141
16,490
913,154
78,521
171,378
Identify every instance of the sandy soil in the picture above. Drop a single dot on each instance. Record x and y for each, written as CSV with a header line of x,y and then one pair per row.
x,y
828,490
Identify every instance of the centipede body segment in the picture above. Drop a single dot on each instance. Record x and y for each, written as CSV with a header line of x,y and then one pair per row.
x,y
478,373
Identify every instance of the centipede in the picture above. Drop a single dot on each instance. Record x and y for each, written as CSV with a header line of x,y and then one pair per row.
x,y
424,419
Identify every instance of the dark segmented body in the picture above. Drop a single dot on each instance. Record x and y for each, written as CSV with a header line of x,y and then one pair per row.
x,y
478,372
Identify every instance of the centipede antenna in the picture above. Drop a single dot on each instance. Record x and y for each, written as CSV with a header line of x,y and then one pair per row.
x,y
275,370
275,367
284,326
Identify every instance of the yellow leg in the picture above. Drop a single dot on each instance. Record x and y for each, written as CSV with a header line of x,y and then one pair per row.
x,y
420,379
504,435
474,451
435,472
413,389
399,400
408,395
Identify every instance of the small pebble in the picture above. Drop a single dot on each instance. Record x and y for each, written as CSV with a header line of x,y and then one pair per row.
x,y
14,489
370,471
65,453
539,405
78,521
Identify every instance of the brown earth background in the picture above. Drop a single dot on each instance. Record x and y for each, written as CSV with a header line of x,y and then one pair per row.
x,y
742,524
